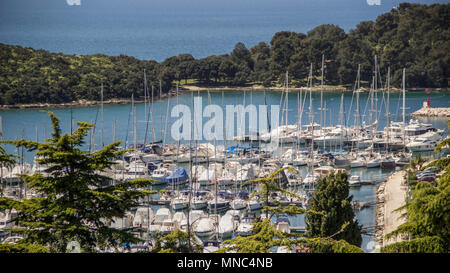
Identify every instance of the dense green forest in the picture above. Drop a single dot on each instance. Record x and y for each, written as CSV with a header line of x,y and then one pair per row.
x,y
412,36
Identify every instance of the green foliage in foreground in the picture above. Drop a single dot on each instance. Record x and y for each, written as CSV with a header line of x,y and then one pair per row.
x,y
270,186
413,36
79,200
428,216
176,242
265,237
427,244
22,248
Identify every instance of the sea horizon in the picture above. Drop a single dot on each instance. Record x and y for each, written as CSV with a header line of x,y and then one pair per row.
x,y
158,30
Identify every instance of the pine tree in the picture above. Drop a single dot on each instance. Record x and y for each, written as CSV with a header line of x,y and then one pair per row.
x,y
79,198
332,198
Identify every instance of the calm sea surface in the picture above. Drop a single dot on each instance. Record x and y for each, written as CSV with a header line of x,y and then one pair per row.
x,y
158,29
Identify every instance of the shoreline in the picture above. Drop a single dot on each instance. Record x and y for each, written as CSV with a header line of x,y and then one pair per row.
x,y
186,89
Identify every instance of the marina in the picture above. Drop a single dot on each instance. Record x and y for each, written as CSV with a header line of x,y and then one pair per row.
x,y
207,181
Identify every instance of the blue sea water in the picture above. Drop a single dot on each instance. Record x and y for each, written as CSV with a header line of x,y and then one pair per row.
x,y
157,29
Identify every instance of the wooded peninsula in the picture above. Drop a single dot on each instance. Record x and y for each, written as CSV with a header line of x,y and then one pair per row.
x,y
411,36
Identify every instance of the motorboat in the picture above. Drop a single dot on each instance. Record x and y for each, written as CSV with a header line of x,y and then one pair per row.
x,y
226,178
161,215
255,204
374,162
218,204
245,226
421,144
194,215
178,218
387,162
178,177
208,176
226,226
238,203
204,227
179,202
283,224
342,162
354,181
143,217
159,176
358,162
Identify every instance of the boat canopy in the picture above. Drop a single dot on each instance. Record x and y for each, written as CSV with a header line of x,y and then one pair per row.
x,y
178,175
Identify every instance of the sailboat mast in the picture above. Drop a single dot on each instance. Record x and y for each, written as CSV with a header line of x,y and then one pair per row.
x,y
388,121
114,131
287,97
341,114
103,121
311,120
224,132
190,176
167,117
321,93
404,109
178,142
151,117
134,121
357,97
145,95
403,98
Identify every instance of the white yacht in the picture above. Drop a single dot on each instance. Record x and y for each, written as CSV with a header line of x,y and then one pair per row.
x,y
425,142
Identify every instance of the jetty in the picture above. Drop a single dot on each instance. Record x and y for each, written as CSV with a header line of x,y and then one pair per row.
x,y
426,111
362,205
391,195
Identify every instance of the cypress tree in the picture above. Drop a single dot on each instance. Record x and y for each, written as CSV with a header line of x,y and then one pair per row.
x,y
338,221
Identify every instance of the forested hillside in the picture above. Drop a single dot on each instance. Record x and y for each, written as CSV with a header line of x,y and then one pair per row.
x,y
412,36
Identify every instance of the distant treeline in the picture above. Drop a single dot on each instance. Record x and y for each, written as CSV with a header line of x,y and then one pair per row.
x,y
412,36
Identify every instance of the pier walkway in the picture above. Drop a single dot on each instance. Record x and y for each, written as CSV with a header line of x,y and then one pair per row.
x,y
392,195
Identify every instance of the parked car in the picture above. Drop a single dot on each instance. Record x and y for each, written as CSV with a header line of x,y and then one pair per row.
x,y
428,178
